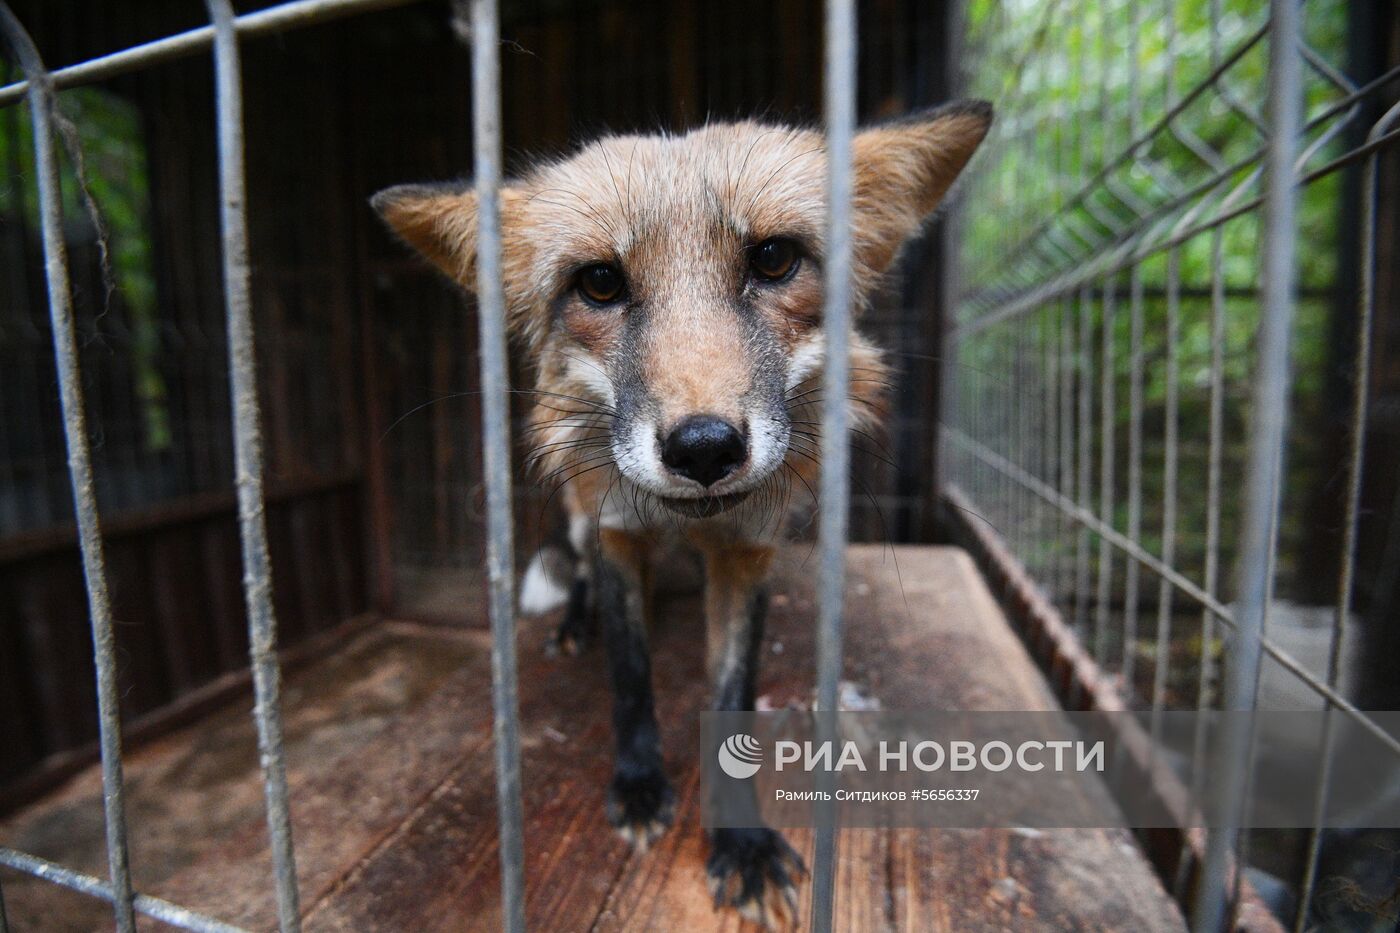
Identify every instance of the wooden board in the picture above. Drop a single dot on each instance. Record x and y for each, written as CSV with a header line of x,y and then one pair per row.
x,y
393,790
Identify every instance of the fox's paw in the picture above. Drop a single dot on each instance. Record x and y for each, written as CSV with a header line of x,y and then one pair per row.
x,y
640,806
755,871
575,632
574,635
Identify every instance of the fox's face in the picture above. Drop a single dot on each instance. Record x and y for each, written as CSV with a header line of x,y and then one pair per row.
x,y
669,288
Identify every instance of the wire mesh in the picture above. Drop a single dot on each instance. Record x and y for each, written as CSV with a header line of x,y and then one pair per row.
x,y
1127,278
1103,349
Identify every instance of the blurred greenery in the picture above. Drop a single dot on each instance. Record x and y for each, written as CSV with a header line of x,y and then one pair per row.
x,y
1123,130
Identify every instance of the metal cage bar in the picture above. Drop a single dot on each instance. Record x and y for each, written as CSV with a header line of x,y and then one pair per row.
x,y
144,904
840,91
1263,481
75,432
39,89
1165,228
1356,457
249,466
495,410
280,18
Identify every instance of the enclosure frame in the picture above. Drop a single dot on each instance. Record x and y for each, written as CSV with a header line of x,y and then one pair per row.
x,y
1218,895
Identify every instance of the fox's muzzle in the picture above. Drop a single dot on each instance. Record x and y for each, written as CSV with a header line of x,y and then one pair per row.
x,y
704,448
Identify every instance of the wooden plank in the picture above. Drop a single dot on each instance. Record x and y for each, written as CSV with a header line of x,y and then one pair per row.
x,y
221,573
186,510
21,737
394,805
448,874
370,731
940,643
1077,678
994,879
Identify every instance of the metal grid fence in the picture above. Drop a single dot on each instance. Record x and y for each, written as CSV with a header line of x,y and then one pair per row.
x,y
224,35
1130,179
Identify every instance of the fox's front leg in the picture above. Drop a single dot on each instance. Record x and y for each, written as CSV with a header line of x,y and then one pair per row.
x,y
752,868
640,800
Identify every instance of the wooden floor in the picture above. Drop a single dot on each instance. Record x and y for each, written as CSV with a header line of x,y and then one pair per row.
x,y
394,803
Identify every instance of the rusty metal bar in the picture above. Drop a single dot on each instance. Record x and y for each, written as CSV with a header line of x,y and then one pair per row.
x,y
840,92
249,466
148,906
495,412
1263,479
75,434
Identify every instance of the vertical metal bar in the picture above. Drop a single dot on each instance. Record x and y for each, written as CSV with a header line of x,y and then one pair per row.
x,y
1169,471
954,395
1049,438
495,416
1135,402
248,460
1015,432
1084,387
1065,531
1269,416
75,435
1107,411
1214,473
1021,410
1356,452
835,470
1011,411
1205,685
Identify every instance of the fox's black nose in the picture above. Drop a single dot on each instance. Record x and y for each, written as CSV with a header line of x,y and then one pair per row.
x,y
704,448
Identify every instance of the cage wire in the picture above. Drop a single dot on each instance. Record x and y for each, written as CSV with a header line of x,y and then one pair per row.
x,y
1133,357
1125,359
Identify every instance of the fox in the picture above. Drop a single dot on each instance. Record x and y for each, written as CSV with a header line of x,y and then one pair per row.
x,y
666,292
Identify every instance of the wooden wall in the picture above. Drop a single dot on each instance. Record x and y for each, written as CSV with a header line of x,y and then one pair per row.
x,y
177,597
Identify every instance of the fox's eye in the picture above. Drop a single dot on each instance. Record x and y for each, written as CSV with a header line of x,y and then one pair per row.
x,y
773,260
601,283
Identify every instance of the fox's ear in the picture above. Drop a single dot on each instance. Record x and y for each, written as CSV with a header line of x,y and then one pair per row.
x,y
903,169
437,220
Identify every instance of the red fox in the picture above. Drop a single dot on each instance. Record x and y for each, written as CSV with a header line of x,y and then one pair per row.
x,y
667,290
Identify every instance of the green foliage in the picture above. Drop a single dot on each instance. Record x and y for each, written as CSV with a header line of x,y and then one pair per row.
x,y
1128,146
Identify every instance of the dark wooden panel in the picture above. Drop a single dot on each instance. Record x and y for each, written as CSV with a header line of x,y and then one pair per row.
x,y
177,603
143,654
21,735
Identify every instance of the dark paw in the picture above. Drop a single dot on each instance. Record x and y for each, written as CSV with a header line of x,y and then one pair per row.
x,y
640,806
755,872
575,632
